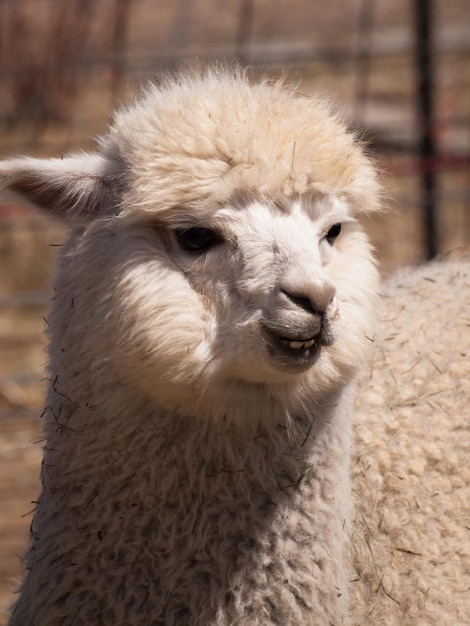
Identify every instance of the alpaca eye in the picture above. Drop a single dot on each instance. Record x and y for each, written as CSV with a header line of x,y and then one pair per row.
x,y
333,233
196,239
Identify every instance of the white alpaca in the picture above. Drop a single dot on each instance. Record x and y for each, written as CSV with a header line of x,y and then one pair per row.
x,y
411,477
213,305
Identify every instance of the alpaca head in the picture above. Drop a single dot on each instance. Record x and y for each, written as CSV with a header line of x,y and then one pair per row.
x,y
215,250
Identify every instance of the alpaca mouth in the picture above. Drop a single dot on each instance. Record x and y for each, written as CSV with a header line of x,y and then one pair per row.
x,y
296,344
294,351
297,349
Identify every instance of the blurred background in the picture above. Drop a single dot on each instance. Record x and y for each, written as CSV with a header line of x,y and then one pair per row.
x,y
398,70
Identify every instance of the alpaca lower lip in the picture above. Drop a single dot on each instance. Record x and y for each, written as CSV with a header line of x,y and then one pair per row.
x,y
296,359
297,352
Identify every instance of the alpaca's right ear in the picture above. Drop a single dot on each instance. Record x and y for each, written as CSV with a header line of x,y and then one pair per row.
x,y
77,188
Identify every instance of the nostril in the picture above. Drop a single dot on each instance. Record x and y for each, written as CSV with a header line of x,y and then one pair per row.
x,y
313,297
305,303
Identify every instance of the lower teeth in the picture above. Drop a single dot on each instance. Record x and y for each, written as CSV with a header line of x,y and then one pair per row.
x,y
299,345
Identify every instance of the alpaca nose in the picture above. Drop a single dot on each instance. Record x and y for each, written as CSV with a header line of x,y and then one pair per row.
x,y
312,297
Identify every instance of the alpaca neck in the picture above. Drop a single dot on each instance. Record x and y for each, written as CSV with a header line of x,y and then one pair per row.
x,y
198,512
280,451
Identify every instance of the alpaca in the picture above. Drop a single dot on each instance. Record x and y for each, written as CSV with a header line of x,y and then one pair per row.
x,y
213,306
411,477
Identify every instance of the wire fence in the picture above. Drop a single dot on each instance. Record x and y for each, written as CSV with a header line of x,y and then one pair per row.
x,y
399,71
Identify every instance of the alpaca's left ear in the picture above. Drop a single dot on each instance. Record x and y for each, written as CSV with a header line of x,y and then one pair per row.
x,y
77,188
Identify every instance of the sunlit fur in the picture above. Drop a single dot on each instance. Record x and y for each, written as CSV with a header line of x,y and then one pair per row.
x,y
411,474
193,473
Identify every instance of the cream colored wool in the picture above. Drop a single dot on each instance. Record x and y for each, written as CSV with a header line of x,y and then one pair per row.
x,y
198,421
411,476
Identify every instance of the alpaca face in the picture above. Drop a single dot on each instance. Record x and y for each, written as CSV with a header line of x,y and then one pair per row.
x,y
215,252
261,271
255,293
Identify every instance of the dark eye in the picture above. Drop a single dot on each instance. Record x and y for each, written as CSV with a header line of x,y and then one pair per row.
x,y
197,239
333,233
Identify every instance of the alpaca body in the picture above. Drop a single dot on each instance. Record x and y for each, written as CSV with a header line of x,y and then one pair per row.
x,y
411,477
212,308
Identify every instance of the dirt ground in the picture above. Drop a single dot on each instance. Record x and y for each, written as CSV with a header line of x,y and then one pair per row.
x,y
20,458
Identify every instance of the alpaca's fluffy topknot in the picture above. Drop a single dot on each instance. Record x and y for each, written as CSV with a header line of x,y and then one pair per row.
x,y
208,138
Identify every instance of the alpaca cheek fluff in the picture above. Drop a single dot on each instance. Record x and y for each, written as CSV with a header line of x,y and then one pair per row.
x,y
212,307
